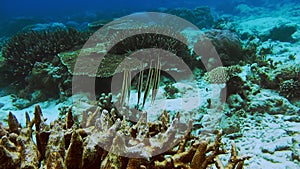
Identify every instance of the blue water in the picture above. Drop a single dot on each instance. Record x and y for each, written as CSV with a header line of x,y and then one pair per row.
x,y
15,15
66,7
37,11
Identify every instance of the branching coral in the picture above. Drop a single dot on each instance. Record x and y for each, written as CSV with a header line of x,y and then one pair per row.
x,y
32,65
110,142
26,48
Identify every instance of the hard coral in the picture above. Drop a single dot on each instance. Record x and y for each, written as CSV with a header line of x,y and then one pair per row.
x,y
290,89
111,142
227,44
157,37
288,80
46,81
140,37
282,33
24,49
200,16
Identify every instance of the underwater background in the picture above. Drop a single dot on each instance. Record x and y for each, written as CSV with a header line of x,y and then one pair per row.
x,y
150,84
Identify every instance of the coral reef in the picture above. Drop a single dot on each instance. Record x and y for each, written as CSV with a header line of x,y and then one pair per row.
x,y
227,44
109,64
290,89
24,49
45,76
97,24
153,40
200,16
6,79
123,57
107,141
170,91
284,79
31,65
229,76
282,33
288,81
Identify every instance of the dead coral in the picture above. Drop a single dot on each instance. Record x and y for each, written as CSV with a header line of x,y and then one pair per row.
x,y
30,156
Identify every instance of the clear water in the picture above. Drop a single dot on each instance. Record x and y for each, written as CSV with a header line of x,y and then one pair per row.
x,y
265,106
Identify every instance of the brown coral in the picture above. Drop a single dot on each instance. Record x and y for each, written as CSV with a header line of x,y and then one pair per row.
x,y
111,142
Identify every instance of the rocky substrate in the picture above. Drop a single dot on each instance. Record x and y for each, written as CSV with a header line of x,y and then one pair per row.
x,y
271,140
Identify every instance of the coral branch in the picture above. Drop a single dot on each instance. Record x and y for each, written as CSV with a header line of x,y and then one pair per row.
x,y
110,142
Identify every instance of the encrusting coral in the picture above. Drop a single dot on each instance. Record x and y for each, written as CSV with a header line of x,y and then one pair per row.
x,y
109,142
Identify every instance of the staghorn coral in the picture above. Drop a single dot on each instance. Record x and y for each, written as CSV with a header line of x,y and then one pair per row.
x,y
111,142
